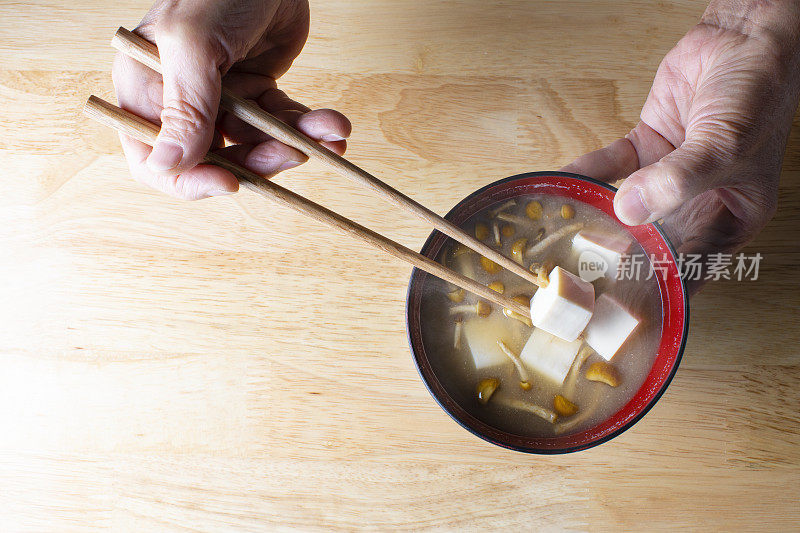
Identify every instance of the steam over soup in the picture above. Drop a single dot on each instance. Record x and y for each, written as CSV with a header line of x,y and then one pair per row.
x,y
589,345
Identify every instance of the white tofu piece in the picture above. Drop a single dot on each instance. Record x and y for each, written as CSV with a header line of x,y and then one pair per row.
x,y
610,327
548,355
481,336
610,247
564,307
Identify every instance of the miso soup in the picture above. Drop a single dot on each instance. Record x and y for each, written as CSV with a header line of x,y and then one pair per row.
x,y
516,377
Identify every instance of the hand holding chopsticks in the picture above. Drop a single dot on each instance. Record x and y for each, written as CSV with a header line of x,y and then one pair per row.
x,y
145,131
146,53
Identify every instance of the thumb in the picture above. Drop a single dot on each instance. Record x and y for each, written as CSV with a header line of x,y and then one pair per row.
x,y
192,87
657,190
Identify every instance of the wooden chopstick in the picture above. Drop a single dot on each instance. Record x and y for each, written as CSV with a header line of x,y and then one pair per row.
x,y
146,132
146,53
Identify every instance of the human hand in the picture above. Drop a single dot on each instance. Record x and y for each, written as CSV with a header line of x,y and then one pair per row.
x,y
249,42
707,153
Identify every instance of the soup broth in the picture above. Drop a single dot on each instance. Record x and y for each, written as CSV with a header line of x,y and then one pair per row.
x,y
458,334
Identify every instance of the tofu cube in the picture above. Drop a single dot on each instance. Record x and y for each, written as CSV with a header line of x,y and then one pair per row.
x,y
481,336
564,307
548,355
610,327
609,247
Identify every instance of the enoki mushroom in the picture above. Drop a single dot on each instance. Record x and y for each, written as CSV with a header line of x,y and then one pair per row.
x,y
553,238
525,382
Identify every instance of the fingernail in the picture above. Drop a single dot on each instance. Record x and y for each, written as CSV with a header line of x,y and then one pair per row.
x,y
286,165
630,208
332,137
165,156
219,192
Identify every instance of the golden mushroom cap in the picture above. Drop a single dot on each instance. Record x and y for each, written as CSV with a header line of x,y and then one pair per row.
x,y
486,388
490,266
497,286
456,296
563,406
604,373
533,210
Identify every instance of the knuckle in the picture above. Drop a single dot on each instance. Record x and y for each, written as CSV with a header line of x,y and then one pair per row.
x,y
184,118
187,189
172,29
673,185
172,186
705,163
730,136
192,34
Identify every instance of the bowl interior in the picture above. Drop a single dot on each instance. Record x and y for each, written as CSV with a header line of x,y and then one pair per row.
x,y
674,305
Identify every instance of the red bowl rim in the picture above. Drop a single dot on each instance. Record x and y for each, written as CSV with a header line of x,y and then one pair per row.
x,y
675,317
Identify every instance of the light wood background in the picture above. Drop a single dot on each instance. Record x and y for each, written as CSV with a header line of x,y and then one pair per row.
x,y
156,374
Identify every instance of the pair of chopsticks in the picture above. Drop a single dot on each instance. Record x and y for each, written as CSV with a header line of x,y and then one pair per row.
x,y
138,128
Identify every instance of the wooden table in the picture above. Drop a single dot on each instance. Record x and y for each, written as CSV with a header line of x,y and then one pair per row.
x,y
156,373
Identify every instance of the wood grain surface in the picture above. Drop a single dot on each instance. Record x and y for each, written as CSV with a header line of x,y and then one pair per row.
x,y
158,374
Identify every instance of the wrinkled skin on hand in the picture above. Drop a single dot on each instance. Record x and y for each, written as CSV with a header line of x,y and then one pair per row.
x,y
707,153
249,42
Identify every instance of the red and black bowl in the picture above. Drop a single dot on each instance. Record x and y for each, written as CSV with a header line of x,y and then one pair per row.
x,y
674,300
